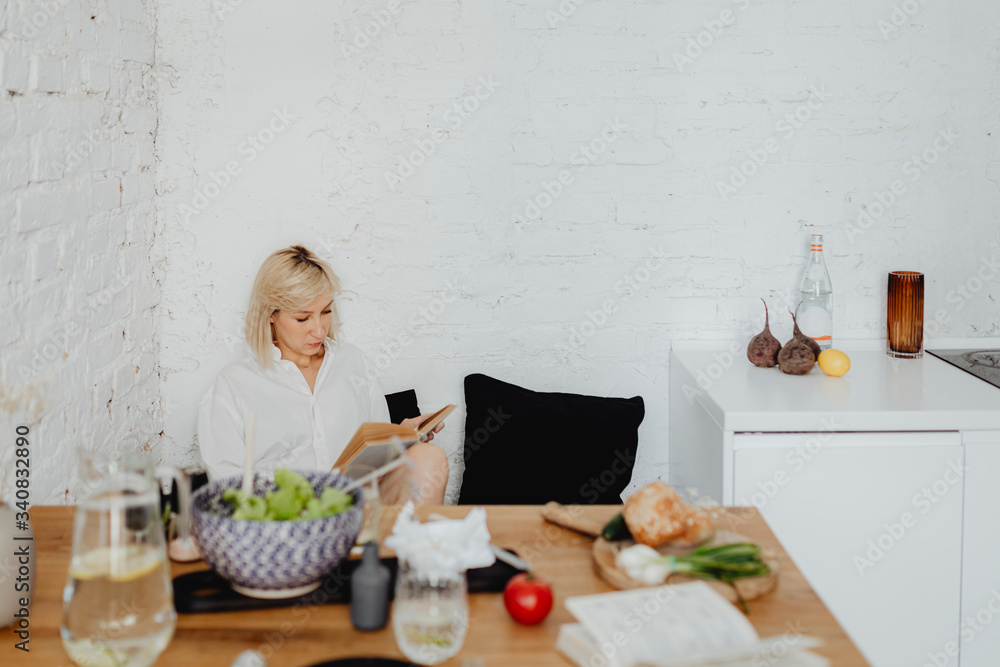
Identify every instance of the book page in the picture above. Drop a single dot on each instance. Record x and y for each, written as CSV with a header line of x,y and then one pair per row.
x,y
576,644
379,433
375,433
798,659
372,457
664,624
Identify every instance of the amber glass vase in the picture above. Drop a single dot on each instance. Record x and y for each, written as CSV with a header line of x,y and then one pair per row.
x,y
905,315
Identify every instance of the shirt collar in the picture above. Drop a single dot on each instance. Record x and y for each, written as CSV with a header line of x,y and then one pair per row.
x,y
327,345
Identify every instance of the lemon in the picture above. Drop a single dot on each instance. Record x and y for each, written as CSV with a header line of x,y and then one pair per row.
x,y
117,564
94,653
834,362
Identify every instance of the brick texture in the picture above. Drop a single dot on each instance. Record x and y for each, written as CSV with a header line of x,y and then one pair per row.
x,y
79,357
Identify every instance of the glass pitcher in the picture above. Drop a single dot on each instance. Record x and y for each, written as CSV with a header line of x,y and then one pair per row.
x,y
118,606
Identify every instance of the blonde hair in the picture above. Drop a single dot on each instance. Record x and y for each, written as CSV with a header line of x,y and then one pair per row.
x,y
289,279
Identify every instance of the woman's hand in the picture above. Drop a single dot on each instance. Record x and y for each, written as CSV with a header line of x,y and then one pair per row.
x,y
414,423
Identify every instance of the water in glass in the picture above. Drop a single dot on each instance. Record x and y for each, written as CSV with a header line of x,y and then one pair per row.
x,y
430,615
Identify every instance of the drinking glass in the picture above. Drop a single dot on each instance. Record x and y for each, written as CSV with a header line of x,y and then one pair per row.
x,y
430,614
905,315
118,604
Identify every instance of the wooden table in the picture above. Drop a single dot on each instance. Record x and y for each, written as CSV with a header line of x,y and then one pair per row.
x,y
308,636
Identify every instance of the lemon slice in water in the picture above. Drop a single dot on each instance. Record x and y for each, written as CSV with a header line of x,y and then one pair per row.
x,y
94,654
116,563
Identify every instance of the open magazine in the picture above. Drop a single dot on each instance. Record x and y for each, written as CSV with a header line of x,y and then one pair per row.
x,y
682,625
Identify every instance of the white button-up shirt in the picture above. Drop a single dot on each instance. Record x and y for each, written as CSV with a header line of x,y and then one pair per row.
x,y
296,428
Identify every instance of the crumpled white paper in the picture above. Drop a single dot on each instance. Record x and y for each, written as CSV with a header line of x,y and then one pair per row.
x,y
442,548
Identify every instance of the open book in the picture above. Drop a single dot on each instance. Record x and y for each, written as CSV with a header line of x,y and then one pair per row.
x,y
374,444
681,625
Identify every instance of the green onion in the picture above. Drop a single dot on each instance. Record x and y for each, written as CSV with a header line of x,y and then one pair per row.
x,y
726,564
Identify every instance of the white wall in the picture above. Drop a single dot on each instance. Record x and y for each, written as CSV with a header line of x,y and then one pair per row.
x,y
78,346
509,288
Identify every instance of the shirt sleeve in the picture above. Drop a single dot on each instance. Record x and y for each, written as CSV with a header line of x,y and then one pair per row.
x,y
220,431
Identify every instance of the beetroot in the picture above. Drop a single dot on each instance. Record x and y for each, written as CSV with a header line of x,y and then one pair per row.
x,y
763,348
796,332
796,357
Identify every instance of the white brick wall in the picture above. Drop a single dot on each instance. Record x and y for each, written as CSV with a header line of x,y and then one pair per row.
x,y
364,105
91,297
77,116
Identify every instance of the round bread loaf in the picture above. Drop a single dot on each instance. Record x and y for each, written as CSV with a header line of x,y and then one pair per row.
x,y
698,527
655,514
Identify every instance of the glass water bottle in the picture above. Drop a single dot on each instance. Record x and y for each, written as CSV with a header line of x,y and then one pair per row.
x,y
816,294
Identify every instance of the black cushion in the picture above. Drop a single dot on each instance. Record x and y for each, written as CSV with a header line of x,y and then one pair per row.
x,y
529,447
402,405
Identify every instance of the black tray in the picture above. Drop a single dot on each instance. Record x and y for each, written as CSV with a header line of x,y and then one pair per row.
x,y
364,662
205,591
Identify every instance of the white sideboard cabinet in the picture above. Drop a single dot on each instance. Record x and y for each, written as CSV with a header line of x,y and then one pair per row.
x,y
979,627
883,486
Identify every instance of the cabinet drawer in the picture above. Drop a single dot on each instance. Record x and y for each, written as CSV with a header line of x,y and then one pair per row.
x,y
821,439
874,521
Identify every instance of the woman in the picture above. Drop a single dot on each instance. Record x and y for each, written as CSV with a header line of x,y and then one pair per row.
x,y
310,391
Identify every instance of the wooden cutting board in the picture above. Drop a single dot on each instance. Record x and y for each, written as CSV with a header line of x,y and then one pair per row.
x,y
570,516
604,555
750,587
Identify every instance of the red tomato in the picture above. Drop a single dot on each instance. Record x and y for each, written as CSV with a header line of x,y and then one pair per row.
x,y
528,599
